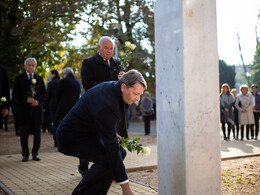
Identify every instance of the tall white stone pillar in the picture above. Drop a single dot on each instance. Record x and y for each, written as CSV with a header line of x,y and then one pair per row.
x,y
187,96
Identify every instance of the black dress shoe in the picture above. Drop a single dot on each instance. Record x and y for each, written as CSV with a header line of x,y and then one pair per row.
x,y
25,158
37,158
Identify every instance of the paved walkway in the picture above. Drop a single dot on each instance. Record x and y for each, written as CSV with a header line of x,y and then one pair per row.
x,y
57,173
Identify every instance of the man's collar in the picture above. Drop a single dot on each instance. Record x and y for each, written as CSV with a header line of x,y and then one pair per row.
x,y
28,74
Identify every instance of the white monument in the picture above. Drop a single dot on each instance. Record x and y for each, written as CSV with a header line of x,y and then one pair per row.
x,y
187,96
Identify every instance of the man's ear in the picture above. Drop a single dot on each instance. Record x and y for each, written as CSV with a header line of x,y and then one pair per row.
x,y
123,87
98,46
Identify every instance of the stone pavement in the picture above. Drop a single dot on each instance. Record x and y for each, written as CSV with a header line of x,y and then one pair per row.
x,y
57,173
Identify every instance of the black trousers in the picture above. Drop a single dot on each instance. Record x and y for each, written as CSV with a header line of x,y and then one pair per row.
x,y
122,131
226,136
247,131
147,121
256,116
25,130
99,177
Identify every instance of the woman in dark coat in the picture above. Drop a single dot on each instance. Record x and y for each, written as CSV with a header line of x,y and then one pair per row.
x,y
226,103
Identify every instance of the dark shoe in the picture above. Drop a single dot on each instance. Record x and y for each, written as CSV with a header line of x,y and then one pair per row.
x,y
25,158
255,138
36,158
242,139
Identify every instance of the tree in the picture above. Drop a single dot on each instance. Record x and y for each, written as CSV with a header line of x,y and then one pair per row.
x,y
36,28
226,74
256,66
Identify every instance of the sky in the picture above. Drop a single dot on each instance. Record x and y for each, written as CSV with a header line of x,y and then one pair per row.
x,y
237,16
232,16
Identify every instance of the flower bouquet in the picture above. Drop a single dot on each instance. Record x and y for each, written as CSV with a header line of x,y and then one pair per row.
x,y
126,57
2,100
33,91
134,145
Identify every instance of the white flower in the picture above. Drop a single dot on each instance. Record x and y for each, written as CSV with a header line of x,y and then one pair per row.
x,y
146,151
132,46
3,99
128,44
34,81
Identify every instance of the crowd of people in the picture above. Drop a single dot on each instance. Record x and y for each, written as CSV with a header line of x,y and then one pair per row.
x,y
240,110
90,127
100,129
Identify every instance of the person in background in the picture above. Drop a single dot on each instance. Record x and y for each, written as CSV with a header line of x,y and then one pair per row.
x,y
51,102
236,120
256,108
29,92
244,104
147,111
67,94
5,94
13,106
226,103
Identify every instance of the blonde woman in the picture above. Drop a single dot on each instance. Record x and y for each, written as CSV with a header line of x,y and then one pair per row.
x,y
244,104
226,104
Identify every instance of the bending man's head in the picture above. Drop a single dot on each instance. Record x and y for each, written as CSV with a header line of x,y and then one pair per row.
x,y
132,86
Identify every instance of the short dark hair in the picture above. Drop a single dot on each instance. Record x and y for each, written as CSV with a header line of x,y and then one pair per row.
x,y
254,85
54,71
131,77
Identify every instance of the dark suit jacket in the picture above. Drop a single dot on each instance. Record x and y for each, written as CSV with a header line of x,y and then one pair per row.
x,y
95,71
28,114
67,94
4,87
51,102
97,113
257,101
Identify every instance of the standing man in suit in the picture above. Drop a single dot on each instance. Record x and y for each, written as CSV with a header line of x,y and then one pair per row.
x,y
89,131
97,69
29,92
51,102
256,108
67,94
4,92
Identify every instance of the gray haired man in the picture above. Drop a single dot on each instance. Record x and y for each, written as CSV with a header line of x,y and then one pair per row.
x,y
29,92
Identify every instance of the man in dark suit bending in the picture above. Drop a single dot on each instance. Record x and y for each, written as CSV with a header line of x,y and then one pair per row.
x,y
29,92
97,69
89,131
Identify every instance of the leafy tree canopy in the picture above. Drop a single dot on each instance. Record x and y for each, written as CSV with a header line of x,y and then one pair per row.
x,y
36,28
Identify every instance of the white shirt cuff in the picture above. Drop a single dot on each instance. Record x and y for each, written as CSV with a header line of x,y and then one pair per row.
x,y
123,182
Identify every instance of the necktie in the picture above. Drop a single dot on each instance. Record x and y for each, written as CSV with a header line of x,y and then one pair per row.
x,y
107,63
30,75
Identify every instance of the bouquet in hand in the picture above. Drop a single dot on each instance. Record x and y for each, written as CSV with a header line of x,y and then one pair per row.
x,y
134,145
33,88
2,101
126,57
33,91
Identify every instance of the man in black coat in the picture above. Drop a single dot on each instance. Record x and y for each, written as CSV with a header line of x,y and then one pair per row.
x,y
29,92
89,131
97,69
4,92
67,94
51,102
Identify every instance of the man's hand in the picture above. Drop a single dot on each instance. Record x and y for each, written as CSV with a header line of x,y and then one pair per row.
x,y
126,189
120,74
30,100
118,137
35,103
5,111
